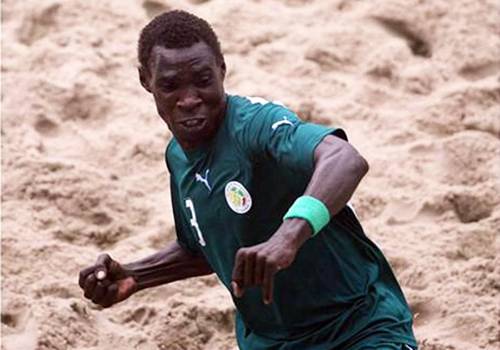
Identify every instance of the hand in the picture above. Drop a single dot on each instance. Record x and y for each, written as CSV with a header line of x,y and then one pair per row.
x,y
107,282
257,265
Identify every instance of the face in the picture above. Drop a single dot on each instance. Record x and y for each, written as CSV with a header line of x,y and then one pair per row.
x,y
187,85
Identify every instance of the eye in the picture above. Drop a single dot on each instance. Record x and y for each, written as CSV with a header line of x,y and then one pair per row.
x,y
168,85
204,80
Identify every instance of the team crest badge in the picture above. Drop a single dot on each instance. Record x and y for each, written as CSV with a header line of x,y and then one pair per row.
x,y
237,197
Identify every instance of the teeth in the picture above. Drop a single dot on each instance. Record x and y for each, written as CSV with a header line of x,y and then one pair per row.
x,y
192,122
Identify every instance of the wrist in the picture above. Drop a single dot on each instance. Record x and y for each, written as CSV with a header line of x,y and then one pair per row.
x,y
311,210
132,277
294,232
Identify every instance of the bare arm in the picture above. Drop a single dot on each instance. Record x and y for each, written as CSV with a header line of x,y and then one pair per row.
x,y
121,281
338,169
168,265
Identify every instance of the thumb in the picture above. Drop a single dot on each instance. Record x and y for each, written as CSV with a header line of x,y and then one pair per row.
x,y
102,267
237,290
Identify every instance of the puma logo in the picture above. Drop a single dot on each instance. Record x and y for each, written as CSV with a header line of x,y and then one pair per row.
x,y
204,180
281,122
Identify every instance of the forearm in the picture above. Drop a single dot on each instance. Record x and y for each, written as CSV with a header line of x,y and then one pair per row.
x,y
338,170
168,265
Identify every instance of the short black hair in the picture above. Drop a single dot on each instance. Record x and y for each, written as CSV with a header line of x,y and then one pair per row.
x,y
174,30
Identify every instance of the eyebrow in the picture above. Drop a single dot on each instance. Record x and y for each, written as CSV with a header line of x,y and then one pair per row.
x,y
198,68
172,74
166,77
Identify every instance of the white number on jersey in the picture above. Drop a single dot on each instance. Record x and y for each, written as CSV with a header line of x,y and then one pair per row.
x,y
194,222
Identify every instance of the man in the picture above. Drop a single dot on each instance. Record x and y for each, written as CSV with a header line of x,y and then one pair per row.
x,y
260,198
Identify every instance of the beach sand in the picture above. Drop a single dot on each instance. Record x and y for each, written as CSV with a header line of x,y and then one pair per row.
x,y
415,84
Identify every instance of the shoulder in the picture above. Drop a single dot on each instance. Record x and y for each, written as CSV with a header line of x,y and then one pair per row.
x,y
248,110
245,105
173,154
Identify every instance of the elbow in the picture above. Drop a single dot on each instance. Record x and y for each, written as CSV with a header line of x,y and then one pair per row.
x,y
336,152
362,166
358,166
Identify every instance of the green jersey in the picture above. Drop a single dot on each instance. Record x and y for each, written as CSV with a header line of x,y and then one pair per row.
x,y
233,193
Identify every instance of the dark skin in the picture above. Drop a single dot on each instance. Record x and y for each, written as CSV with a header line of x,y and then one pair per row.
x,y
187,85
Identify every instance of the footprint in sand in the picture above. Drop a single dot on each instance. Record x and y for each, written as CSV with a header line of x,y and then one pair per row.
x,y
39,22
15,319
142,315
463,108
415,40
474,72
423,310
467,158
473,243
18,329
401,212
83,102
328,59
421,210
46,126
471,207
103,237
154,7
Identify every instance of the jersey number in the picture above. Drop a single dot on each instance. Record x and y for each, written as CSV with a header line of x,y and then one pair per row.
x,y
194,222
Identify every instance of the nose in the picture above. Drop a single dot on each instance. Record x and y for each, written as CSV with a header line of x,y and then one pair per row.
x,y
189,100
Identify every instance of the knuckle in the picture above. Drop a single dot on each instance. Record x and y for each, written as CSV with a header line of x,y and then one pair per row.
x,y
261,257
82,276
81,281
239,254
88,293
238,279
111,291
287,262
245,252
249,260
87,285
271,262
114,266
103,258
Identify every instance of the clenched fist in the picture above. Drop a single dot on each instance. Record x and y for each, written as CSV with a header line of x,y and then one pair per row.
x,y
107,282
257,265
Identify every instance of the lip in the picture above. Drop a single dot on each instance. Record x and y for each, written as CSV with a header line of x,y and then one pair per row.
x,y
191,123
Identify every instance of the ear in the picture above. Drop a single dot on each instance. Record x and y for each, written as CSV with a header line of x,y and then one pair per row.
x,y
223,68
145,78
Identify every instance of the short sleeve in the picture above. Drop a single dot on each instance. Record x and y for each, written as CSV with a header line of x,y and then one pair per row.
x,y
182,229
270,130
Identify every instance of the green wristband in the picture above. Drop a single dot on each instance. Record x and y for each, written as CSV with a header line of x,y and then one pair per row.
x,y
311,210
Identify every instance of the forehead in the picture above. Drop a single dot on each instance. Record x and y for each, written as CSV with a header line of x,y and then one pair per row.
x,y
198,55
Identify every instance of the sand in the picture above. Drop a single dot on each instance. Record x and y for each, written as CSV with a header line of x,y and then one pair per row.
x,y
416,85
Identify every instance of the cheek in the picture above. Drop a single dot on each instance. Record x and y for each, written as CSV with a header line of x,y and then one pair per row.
x,y
163,105
214,96
164,110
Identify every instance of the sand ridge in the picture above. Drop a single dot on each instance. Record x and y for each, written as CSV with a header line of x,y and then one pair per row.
x,y
416,85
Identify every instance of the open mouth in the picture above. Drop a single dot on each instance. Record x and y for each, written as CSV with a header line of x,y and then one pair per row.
x,y
192,123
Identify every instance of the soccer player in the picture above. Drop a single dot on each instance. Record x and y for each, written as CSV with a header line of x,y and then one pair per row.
x,y
261,199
